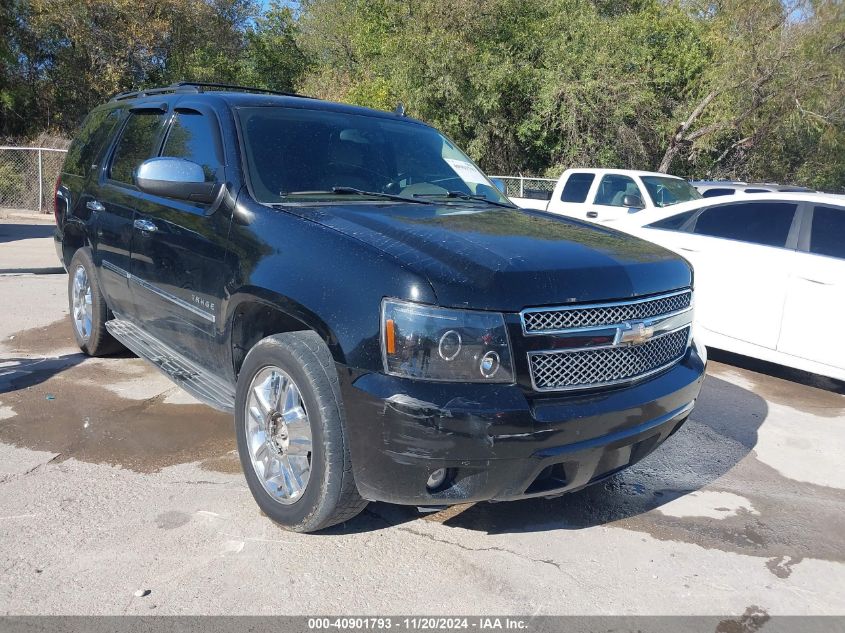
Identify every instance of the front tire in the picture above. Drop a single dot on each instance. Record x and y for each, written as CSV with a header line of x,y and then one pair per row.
x,y
88,309
291,433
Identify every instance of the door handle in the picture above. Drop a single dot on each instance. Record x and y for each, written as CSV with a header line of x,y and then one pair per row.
x,y
145,226
688,250
93,205
592,214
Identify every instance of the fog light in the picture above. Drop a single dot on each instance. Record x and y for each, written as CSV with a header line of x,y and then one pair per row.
x,y
436,479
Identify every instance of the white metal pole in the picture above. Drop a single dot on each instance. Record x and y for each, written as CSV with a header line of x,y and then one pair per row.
x,y
40,183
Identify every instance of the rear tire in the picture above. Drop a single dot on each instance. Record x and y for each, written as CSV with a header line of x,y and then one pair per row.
x,y
289,423
88,309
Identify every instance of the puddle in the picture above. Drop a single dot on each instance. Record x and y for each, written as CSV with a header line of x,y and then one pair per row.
x,y
809,398
172,519
228,463
47,340
782,566
64,405
753,620
705,486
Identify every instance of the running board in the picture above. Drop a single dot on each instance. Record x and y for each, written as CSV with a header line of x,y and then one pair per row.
x,y
199,382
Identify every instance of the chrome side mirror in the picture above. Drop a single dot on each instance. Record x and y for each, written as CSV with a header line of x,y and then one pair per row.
x,y
175,178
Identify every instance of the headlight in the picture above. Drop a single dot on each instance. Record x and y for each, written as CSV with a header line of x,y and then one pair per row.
x,y
420,341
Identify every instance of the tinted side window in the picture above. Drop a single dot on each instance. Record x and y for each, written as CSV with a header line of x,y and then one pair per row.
x,y
755,190
828,234
673,222
712,193
136,144
765,223
89,141
192,136
613,188
577,187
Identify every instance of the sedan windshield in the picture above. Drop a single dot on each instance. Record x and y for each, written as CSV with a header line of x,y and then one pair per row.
x,y
296,154
665,192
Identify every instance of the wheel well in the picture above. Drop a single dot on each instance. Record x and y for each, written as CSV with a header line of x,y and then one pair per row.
x,y
255,321
72,241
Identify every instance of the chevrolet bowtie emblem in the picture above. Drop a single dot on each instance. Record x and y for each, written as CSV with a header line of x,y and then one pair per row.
x,y
635,333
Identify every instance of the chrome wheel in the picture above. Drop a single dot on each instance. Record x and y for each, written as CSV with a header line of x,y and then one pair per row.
x,y
81,299
278,434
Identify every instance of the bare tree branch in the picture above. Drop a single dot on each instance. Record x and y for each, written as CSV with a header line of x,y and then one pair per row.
x,y
678,137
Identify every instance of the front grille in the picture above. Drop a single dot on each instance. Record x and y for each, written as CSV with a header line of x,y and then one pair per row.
x,y
606,365
541,321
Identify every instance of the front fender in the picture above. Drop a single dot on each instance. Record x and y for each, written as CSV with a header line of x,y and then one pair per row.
x,y
329,281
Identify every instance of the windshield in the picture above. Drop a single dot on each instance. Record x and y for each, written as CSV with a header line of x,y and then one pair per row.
x,y
296,154
665,192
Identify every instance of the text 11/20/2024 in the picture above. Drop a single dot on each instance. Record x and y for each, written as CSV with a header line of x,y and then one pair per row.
x,y
420,623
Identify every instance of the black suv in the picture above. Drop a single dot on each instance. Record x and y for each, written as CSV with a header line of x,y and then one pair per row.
x,y
383,323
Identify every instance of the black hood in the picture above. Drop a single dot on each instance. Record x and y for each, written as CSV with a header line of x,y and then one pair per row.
x,y
508,259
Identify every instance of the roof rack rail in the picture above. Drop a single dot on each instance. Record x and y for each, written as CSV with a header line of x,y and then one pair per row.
x,y
198,86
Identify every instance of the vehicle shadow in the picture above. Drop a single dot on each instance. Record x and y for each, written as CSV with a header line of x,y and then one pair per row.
x,y
21,373
778,371
721,431
12,232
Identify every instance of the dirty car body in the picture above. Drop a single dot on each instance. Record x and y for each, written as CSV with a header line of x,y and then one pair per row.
x,y
511,353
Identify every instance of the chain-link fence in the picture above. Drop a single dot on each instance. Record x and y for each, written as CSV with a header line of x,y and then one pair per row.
x,y
28,177
526,187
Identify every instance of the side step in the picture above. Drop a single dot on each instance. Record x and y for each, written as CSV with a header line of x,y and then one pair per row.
x,y
200,383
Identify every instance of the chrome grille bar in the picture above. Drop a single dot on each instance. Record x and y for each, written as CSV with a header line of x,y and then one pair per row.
x,y
564,319
591,367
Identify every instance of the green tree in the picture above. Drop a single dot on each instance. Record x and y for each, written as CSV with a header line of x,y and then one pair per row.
x,y
272,57
741,88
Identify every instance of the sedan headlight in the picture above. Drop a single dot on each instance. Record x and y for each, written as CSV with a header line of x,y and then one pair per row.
x,y
420,341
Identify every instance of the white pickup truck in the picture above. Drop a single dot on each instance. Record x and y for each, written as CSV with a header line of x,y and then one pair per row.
x,y
606,195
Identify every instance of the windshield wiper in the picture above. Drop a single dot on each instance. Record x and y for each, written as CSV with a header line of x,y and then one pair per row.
x,y
356,192
466,196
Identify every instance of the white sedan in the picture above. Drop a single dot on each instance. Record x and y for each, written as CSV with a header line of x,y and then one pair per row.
x,y
769,273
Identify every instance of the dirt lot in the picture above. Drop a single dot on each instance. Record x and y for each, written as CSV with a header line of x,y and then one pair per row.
x,y
112,480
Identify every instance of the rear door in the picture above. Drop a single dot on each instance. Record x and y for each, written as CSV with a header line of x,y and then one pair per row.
x,y
741,252
815,302
178,247
113,201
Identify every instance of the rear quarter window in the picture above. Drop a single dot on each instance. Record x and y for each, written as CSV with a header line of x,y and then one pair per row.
x,y
577,187
673,222
720,191
89,143
828,234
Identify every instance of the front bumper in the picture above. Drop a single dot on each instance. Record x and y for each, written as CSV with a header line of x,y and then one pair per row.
x,y
500,442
